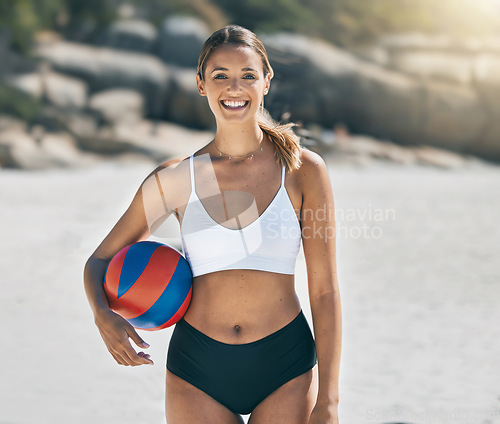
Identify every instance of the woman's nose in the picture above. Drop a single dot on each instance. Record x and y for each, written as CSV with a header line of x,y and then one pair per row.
x,y
234,85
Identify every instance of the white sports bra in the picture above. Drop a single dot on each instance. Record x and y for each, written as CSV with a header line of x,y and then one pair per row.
x,y
270,243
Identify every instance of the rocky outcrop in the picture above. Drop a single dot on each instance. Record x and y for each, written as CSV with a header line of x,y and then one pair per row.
x,y
400,90
180,40
130,34
103,68
450,101
57,89
40,150
118,105
184,105
81,141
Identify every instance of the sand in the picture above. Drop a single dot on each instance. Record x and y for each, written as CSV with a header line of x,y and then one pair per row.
x,y
418,274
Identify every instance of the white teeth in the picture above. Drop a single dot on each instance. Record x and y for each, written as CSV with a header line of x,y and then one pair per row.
x,y
230,103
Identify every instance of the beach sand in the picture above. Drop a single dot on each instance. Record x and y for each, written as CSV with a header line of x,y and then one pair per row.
x,y
417,252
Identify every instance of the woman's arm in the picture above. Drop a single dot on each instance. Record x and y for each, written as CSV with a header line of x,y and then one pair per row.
x,y
146,210
318,238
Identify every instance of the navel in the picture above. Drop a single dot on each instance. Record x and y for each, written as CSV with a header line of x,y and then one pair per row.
x,y
237,328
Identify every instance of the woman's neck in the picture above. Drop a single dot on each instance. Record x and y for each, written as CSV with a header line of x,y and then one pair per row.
x,y
239,139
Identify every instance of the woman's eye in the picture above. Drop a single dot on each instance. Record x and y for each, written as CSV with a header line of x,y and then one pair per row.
x,y
220,76
249,77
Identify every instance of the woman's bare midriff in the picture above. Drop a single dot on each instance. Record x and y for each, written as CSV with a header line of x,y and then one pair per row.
x,y
241,306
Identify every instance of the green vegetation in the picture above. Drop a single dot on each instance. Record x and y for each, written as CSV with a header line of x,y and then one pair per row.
x,y
17,103
74,18
343,22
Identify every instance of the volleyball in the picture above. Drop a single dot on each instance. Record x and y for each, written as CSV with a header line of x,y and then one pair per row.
x,y
149,284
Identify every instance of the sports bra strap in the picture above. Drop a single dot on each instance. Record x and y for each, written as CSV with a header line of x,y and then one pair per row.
x,y
283,176
191,171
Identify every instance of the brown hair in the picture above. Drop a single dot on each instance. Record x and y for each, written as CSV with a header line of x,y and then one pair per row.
x,y
286,142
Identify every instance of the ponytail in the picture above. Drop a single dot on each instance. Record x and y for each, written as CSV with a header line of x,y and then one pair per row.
x,y
286,142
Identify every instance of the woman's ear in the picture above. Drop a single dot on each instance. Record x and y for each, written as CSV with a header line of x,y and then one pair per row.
x,y
201,85
267,84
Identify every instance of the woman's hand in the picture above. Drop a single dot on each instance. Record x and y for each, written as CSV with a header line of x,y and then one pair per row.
x,y
324,414
115,331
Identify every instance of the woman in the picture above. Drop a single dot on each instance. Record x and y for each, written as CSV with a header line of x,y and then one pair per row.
x,y
244,202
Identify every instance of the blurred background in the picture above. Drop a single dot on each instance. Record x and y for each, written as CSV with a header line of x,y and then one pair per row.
x,y
77,75
401,98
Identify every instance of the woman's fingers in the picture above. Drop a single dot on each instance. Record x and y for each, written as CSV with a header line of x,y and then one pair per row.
x,y
136,338
116,331
133,358
118,359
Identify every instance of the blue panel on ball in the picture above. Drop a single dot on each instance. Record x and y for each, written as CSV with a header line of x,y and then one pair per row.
x,y
169,301
135,263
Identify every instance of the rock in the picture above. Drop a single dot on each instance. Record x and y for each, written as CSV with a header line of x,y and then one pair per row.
x,y
415,41
104,68
437,157
441,98
118,105
320,83
487,83
12,62
446,66
81,125
163,138
397,154
64,91
106,141
184,105
372,53
181,39
367,146
133,158
62,147
487,79
383,103
10,123
58,89
19,150
39,150
130,34
487,145
451,116
312,78
419,42
434,96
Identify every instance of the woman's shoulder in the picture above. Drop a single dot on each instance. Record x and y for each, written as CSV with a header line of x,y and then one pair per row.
x,y
172,164
176,166
312,167
169,168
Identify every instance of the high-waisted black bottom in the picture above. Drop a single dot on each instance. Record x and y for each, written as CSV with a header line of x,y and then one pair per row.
x,y
240,376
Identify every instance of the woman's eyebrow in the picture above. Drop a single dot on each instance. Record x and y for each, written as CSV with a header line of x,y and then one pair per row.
x,y
225,69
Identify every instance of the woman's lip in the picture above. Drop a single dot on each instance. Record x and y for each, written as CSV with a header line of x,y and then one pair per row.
x,y
235,108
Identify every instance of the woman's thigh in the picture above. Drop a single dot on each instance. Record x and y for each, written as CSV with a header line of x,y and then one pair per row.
x,y
292,403
185,403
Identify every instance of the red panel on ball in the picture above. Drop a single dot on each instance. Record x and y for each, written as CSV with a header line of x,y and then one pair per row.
x,y
113,273
149,286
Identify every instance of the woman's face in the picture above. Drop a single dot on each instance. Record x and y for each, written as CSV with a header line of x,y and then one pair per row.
x,y
234,83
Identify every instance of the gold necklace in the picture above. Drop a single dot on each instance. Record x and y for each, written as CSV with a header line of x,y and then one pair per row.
x,y
249,155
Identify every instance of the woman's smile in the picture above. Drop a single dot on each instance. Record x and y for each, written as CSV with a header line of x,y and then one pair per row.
x,y
234,105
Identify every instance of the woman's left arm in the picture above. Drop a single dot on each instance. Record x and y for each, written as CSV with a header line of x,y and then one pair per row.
x,y
319,243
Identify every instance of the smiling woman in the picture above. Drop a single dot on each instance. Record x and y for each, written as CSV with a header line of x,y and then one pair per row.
x,y
220,64
244,345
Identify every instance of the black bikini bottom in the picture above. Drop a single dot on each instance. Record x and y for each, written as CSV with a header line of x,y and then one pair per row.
x,y
240,376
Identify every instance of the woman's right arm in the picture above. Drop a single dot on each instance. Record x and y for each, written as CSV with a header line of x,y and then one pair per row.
x,y
133,226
